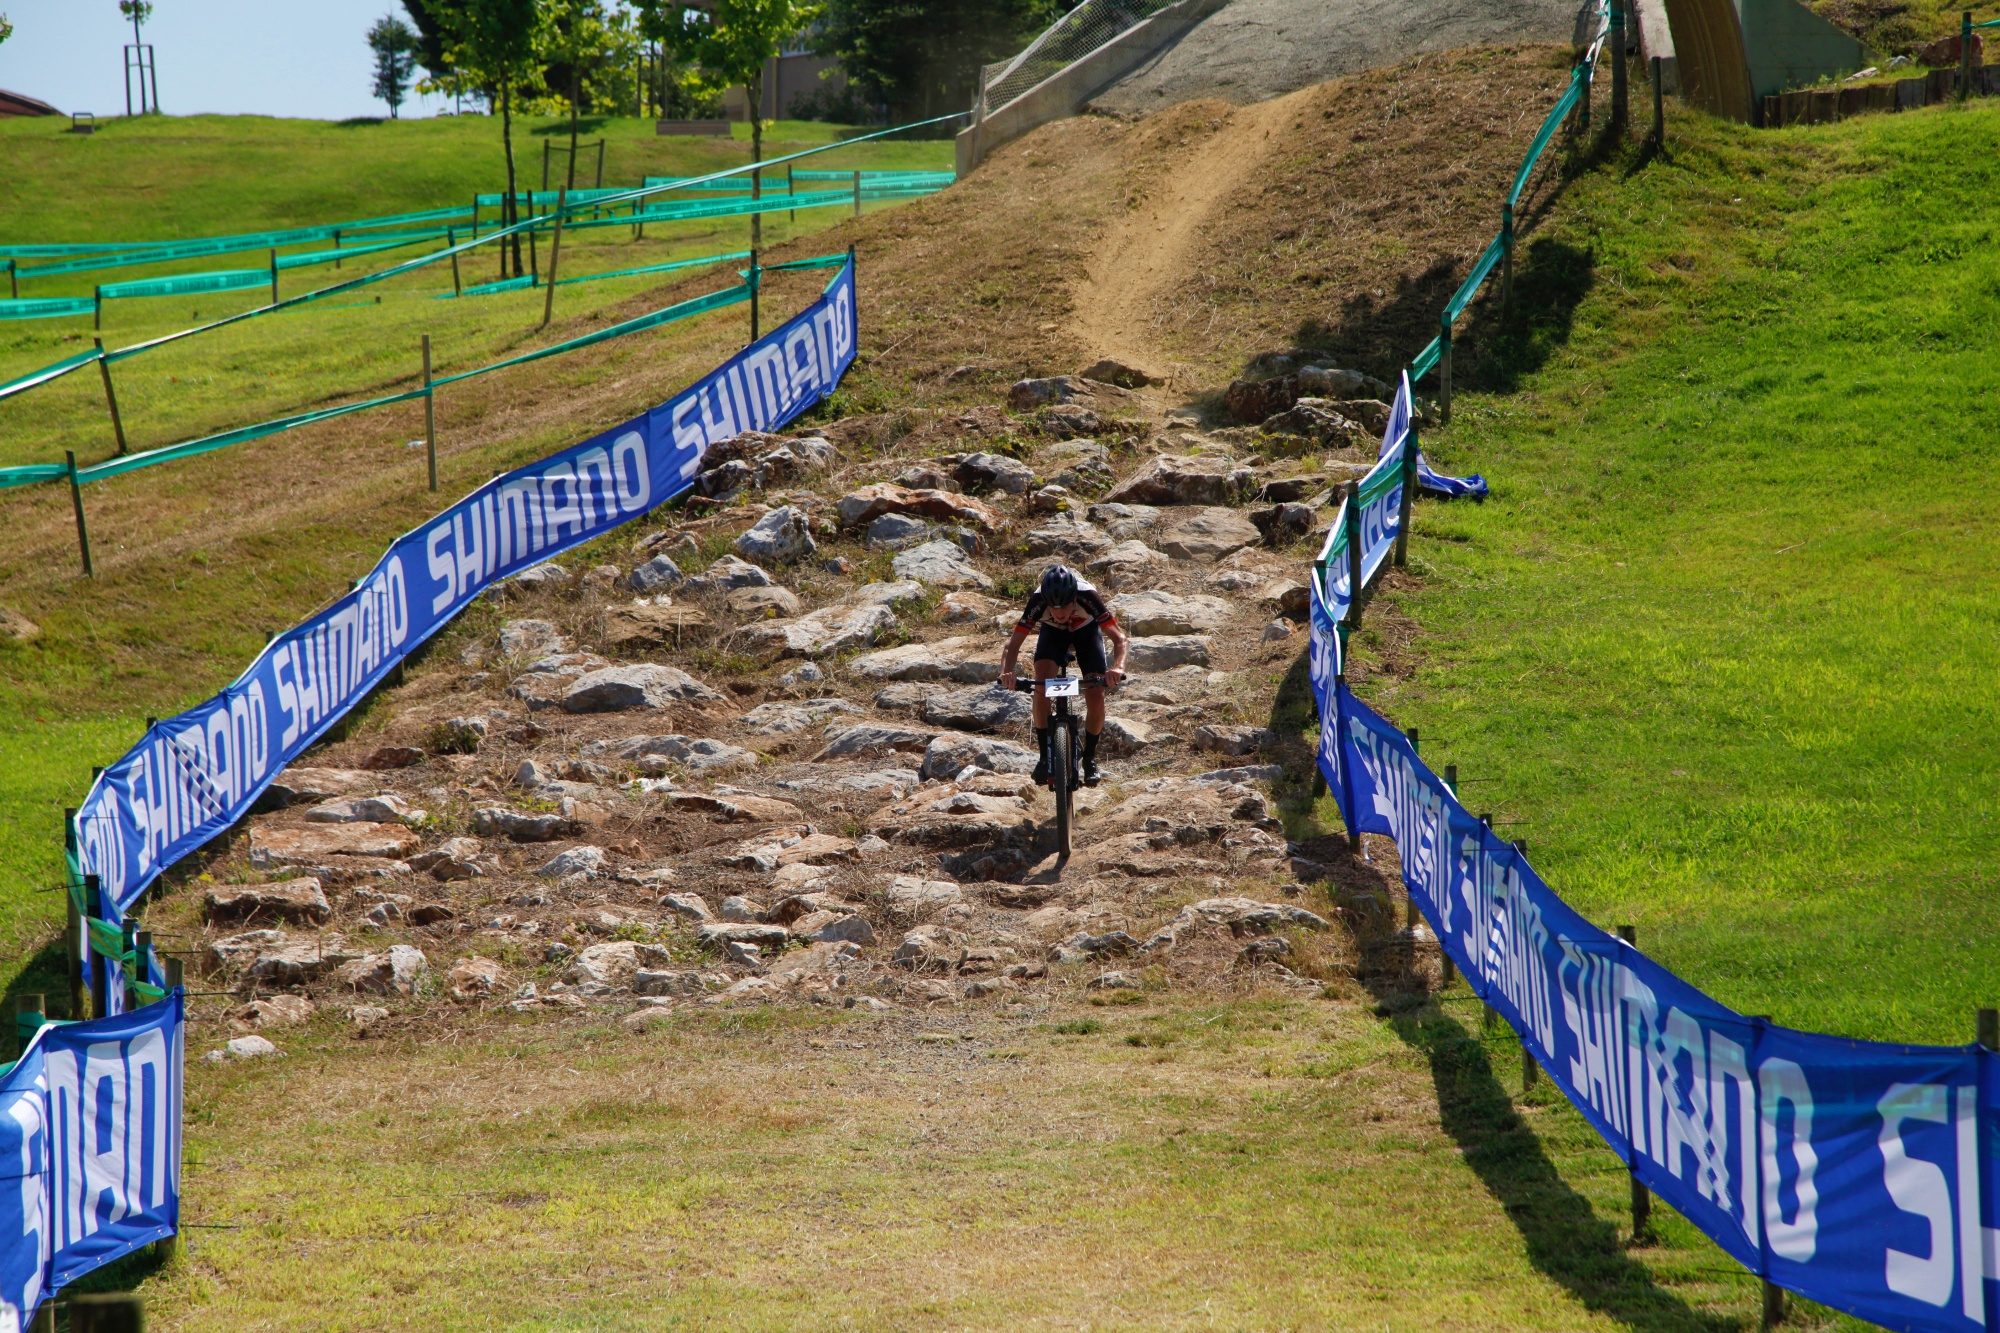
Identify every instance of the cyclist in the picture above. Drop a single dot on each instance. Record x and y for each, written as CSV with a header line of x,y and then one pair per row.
x,y
1071,618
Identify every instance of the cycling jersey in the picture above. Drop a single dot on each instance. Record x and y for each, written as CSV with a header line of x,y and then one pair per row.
x,y
1088,611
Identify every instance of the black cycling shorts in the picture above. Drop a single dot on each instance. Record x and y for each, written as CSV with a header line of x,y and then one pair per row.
x,y
1058,645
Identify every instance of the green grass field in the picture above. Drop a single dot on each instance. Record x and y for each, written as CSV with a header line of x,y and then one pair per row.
x,y
1723,639
212,175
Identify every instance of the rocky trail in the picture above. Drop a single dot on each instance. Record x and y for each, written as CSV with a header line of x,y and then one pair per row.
x,y
757,753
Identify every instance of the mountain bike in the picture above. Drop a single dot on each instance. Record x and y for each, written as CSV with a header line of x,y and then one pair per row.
x,y
1064,726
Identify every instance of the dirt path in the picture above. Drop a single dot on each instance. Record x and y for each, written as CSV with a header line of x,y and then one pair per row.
x,y
1143,255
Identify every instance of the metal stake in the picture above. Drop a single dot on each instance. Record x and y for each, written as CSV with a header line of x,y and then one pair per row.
x,y
1965,56
756,273
857,194
274,276
110,398
1659,109
1354,555
1506,257
1410,457
76,502
451,243
430,416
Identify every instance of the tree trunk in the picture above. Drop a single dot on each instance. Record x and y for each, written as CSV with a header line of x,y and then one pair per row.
x,y
575,91
756,90
509,214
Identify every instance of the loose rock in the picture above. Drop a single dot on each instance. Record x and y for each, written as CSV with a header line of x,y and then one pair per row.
x,y
781,536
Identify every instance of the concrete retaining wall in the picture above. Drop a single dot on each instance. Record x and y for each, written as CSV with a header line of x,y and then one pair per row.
x,y
1065,92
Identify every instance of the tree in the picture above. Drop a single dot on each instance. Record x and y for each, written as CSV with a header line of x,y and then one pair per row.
x,y
6,28
395,47
497,44
921,58
138,11
586,48
731,44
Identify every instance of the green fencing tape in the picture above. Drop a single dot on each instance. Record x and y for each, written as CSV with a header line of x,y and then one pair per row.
x,y
703,262
51,372
1426,360
1474,280
682,310
941,177
134,462
822,261
163,251
48,308
188,284
31,474
148,993
118,467
313,257
546,198
521,283
105,938
1549,126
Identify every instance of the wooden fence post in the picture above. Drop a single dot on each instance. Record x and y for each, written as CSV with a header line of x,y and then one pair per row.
x,y
110,397
857,193
555,254
756,281
1444,371
430,416
274,275
93,909
792,193
13,279
76,503
451,244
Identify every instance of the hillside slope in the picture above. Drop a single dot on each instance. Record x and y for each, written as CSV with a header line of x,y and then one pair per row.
x,y
1253,50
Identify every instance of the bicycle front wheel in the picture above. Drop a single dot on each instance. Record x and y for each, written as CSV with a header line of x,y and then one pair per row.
x,y
1059,784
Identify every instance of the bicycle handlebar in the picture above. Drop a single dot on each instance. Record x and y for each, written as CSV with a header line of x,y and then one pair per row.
x,y
1026,684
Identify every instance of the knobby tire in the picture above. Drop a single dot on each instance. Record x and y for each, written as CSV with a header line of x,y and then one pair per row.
x,y
1059,784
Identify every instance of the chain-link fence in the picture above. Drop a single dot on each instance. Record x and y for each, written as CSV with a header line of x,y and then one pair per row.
x,y
1072,37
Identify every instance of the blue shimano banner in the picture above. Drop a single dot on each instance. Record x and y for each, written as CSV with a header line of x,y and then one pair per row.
x,y
1473,487
1854,1173
194,775
90,1150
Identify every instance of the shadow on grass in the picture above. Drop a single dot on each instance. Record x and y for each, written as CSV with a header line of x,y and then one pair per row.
x,y
1498,347
46,974
1565,1238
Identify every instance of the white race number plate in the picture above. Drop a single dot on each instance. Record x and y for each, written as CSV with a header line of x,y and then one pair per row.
x,y
1060,687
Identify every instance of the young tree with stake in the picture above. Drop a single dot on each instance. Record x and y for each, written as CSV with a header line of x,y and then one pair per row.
x,y
731,44
395,47
498,44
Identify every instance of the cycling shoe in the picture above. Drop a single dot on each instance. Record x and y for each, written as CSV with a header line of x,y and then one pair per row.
x,y
1091,777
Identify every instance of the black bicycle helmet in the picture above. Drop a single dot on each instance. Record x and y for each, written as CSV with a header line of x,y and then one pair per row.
x,y
1059,585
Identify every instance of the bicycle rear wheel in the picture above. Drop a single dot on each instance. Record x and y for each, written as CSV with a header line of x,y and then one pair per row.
x,y
1059,784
